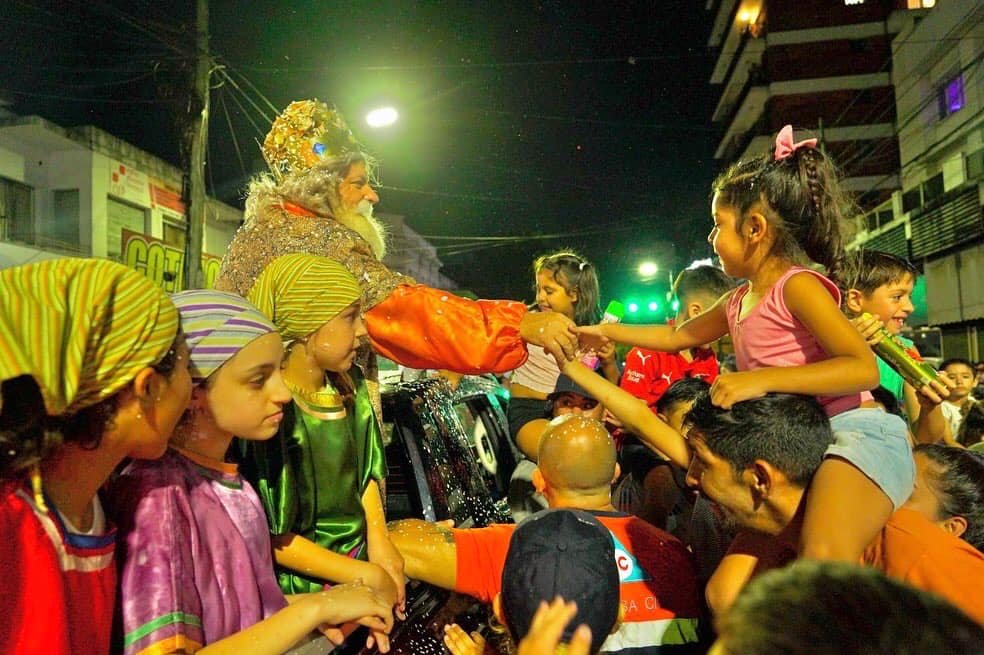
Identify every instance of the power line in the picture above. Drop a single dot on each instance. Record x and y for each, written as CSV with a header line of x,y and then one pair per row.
x,y
631,60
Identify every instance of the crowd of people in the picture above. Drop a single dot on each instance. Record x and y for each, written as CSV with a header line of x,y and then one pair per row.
x,y
205,472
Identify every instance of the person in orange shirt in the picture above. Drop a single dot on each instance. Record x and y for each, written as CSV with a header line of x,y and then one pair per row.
x,y
760,484
576,466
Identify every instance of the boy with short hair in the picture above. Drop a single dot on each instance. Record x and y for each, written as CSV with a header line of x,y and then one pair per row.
x,y
880,284
648,373
961,373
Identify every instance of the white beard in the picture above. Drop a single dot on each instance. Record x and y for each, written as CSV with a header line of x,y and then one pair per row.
x,y
368,227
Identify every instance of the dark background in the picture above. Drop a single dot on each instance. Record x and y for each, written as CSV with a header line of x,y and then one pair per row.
x,y
561,124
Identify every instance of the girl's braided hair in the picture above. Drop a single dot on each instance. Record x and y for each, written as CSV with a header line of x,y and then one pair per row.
x,y
801,197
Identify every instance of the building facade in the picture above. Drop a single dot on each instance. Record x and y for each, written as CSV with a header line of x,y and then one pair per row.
x,y
824,66
82,192
936,217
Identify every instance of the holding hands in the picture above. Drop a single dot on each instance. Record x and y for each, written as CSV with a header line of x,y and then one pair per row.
x,y
346,603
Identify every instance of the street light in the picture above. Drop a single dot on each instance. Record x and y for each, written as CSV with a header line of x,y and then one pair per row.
x,y
382,117
648,269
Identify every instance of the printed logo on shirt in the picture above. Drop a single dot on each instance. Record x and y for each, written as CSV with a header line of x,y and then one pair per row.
x,y
628,566
643,357
667,378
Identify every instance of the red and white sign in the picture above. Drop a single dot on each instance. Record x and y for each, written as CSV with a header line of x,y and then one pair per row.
x,y
129,184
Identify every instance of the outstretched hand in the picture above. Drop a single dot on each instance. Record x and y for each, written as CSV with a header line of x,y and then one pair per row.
x,y
552,331
548,626
460,642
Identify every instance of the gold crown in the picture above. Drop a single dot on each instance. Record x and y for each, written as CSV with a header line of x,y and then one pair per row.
x,y
307,132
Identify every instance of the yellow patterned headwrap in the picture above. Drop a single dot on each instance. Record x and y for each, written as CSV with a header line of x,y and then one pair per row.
x,y
301,292
82,328
307,132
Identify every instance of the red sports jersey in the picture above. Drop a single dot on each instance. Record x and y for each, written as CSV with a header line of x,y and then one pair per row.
x,y
649,373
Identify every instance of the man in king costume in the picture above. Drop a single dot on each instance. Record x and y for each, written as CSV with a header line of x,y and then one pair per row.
x,y
319,199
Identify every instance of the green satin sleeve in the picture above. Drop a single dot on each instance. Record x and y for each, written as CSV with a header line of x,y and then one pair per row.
x,y
366,425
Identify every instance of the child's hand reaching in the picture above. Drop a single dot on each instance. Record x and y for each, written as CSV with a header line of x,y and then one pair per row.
x,y
353,602
460,642
547,627
592,338
731,388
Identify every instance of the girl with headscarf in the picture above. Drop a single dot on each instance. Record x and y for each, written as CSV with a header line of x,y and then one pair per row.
x,y
319,479
197,570
93,371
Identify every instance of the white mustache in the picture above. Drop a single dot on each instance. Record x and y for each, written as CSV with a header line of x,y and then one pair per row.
x,y
364,208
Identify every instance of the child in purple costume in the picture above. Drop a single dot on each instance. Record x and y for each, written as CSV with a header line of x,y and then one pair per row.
x,y
197,569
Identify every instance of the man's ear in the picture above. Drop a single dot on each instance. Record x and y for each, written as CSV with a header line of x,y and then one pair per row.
x,y
761,476
852,301
539,482
694,309
955,525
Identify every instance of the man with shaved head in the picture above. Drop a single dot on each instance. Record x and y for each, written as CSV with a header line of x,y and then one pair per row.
x,y
576,467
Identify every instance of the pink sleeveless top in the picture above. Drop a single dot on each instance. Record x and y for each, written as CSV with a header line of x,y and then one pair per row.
x,y
770,336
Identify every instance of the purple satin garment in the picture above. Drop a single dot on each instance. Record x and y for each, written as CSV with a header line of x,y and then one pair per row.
x,y
197,562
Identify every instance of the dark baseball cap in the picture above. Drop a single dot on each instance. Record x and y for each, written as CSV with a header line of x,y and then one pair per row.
x,y
567,553
567,385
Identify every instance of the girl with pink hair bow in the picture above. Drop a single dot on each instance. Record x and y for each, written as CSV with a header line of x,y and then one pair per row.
x,y
774,215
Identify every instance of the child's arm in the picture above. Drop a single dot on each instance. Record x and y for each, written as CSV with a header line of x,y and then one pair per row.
x,y
381,549
634,415
282,631
705,328
297,553
850,367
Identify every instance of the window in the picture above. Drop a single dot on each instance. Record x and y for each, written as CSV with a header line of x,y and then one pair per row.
x,y
16,211
175,235
950,97
121,215
932,188
62,230
975,164
911,199
920,4
877,219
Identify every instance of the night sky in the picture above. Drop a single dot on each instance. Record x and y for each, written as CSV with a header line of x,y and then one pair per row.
x,y
586,122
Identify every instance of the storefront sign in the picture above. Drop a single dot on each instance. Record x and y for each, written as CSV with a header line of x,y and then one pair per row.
x,y
129,184
163,263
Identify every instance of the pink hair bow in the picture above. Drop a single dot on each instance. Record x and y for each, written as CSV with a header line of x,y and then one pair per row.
x,y
785,146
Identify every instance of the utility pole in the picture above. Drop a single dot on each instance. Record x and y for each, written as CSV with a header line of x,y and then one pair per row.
x,y
198,133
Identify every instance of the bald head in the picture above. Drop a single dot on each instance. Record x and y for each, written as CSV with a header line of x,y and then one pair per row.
x,y
577,454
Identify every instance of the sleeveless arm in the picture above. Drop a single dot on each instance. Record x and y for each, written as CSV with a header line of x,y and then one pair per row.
x,y
422,327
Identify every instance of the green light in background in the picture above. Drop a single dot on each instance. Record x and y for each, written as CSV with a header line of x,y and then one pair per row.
x,y
675,305
633,308
653,306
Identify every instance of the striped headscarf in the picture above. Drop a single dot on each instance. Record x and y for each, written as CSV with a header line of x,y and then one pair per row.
x,y
82,328
301,292
217,325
